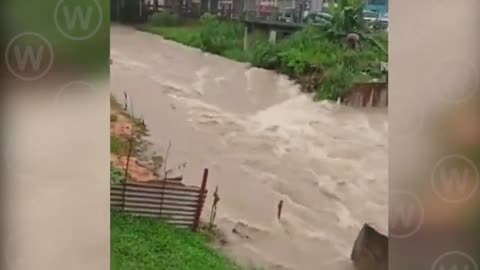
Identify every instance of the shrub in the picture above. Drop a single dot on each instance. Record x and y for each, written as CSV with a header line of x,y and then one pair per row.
x,y
237,54
265,55
164,18
218,36
315,56
338,80
116,176
185,35
207,17
118,146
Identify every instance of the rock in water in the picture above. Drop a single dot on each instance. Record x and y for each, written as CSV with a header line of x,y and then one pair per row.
x,y
241,229
370,250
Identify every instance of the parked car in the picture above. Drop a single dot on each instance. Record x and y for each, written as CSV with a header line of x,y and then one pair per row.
x,y
382,22
318,18
370,15
375,20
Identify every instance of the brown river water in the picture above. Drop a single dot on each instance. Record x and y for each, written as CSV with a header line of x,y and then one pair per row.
x,y
263,141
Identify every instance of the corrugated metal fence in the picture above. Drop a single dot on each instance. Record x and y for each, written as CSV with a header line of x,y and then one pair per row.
x,y
369,94
169,200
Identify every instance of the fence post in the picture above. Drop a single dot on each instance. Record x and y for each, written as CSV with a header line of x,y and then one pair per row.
x,y
245,38
196,221
126,170
162,193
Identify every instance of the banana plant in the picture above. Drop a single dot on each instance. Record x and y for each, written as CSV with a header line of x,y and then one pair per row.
x,y
347,17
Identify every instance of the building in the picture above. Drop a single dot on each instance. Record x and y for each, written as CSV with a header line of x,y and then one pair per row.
x,y
316,6
379,6
128,11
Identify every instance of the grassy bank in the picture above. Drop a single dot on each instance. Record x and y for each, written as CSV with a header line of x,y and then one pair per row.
x,y
315,57
120,143
148,244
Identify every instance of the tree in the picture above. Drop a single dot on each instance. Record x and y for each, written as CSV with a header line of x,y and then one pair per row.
x,y
347,17
347,21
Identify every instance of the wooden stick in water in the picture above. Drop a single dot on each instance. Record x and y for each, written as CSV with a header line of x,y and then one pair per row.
x,y
280,206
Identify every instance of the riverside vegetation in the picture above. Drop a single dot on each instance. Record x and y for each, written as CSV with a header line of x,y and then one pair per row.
x,y
150,244
142,243
315,57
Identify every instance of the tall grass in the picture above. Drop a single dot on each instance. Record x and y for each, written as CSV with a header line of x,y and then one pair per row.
x,y
313,56
218,36
164,18
118,145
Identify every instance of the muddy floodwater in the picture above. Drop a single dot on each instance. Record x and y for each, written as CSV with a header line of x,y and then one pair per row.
x,y
263,142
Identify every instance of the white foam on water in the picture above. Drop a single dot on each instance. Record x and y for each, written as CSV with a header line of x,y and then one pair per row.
x,y
264,142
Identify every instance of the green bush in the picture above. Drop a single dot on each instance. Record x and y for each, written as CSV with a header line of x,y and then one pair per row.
x,y
185,35
237,54
164,18
265,55
116,176
207,17
314,56
337,81
118,146
218,36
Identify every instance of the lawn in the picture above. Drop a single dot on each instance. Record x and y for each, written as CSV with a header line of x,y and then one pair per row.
x,y
188,35
139,243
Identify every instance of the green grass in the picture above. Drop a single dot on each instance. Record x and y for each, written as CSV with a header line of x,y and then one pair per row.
x,y
117,176
147,244
314,57
164,18
118,146
188,35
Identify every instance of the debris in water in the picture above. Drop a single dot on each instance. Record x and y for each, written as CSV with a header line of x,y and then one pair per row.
x,y
280,206
213,211
241,230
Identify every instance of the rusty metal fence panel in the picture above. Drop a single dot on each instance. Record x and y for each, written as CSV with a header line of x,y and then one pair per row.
x,y
174,202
